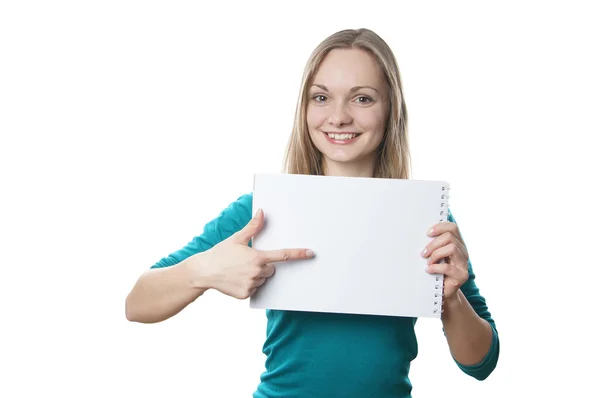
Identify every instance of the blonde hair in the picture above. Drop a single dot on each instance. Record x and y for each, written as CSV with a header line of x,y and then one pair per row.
x,y
393,156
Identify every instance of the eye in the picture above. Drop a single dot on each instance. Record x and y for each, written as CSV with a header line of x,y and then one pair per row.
x,y
319,98
363,99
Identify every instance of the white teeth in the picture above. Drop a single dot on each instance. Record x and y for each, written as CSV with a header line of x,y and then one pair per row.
x,y
341,136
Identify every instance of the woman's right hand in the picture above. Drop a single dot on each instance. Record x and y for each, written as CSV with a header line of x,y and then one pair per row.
x,y
237,270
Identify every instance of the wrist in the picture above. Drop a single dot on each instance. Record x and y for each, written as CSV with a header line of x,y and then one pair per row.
x,y
452,303
196,269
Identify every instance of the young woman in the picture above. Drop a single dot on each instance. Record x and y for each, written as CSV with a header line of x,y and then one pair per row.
x,y
350,121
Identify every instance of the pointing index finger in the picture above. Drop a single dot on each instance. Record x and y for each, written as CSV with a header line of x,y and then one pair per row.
x,y
286,255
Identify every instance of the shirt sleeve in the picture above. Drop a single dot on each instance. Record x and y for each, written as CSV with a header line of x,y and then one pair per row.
x,y
229,221
483,369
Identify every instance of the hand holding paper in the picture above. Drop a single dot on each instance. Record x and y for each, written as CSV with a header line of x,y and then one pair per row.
x,y
448,245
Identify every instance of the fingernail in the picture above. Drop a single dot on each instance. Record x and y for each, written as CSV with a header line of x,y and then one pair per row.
x,y
430,231
257,212
424,252
310,253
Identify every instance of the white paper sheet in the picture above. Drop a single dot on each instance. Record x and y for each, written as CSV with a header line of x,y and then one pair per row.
x,y
367,235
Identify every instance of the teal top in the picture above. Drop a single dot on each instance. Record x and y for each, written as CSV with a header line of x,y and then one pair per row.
x,y
310,354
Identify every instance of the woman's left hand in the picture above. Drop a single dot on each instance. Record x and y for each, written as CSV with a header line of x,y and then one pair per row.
x,y
448,245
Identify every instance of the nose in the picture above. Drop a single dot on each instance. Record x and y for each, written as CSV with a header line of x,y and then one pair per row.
x,y
339,115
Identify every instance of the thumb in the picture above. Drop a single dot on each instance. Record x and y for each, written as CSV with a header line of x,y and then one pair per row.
x,y
244,235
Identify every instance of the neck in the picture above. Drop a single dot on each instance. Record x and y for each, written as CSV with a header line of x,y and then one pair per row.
x,y
365,168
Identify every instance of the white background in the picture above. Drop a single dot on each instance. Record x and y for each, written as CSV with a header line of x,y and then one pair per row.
x,y
125,126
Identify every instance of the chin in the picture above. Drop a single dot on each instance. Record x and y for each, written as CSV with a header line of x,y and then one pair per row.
x,y
342,158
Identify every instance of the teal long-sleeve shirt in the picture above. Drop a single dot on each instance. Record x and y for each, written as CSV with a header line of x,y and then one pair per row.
x,y
311,354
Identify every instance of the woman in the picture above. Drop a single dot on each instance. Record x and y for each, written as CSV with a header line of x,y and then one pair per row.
x,y
350,121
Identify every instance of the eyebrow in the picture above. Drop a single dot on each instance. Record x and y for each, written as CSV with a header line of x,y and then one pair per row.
x,y
353,89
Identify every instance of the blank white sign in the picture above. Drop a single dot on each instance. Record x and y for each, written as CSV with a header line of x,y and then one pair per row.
x,y
367,234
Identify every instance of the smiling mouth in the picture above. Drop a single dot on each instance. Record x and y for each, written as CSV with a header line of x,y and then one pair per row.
x,y
342,136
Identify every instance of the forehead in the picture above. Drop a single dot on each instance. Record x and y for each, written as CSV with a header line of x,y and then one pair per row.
x,y
344,68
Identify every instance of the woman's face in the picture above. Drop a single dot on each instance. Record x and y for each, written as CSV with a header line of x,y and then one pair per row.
x,y
347,111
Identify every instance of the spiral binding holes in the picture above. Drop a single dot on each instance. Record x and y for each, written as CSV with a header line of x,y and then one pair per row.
x,y
444,203
439,279
438,294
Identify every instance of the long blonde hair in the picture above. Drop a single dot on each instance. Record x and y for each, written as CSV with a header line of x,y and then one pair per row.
x,y
393,155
